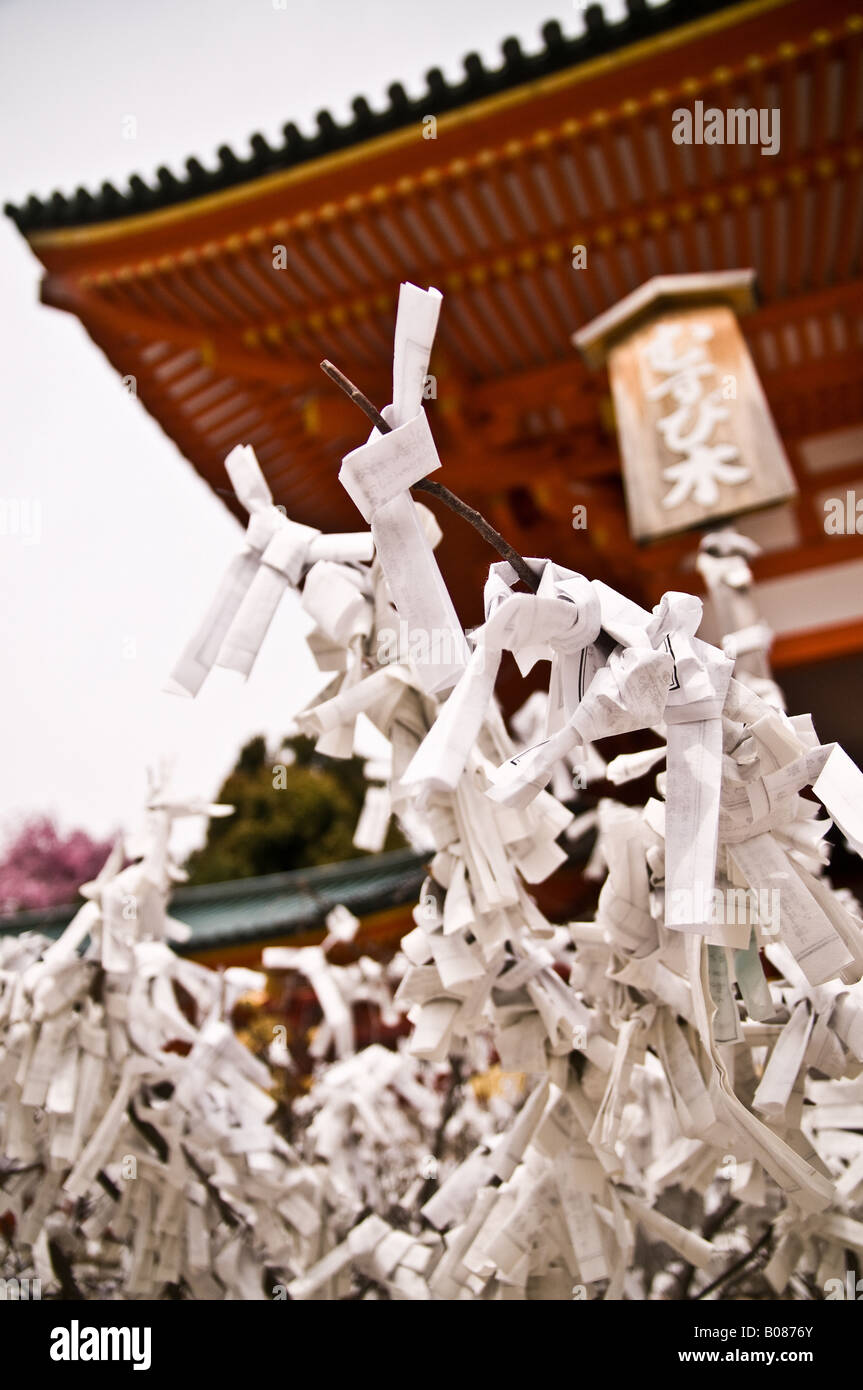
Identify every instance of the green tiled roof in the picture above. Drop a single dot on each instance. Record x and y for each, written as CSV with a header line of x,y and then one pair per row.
x,y
253,909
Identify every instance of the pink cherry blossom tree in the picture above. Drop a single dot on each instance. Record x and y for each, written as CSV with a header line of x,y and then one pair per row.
x,y
42,867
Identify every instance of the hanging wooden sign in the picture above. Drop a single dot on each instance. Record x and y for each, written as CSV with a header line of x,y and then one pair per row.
x,y
696,435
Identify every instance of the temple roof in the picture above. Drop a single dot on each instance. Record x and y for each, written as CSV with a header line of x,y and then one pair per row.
x,y
254,910
599,37
217,310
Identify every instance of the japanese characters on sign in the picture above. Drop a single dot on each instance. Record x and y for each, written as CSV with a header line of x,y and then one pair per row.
x,y
696,436
685,376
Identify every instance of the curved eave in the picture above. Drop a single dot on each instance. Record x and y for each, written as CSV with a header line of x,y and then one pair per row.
x,y
85,220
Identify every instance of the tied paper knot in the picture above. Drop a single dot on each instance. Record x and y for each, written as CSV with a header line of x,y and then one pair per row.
x,y
373,477
566,617
378,477
276,552
557,622
601,697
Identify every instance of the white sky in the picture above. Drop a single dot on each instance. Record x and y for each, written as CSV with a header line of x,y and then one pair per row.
x,y
99,598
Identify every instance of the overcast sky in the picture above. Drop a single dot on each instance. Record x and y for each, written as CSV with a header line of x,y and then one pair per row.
x,y
124,544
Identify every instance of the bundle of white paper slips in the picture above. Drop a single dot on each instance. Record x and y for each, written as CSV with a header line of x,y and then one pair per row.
x,y
660,1056
138,1153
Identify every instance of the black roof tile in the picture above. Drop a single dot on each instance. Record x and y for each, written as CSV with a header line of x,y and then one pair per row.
x,y
600,37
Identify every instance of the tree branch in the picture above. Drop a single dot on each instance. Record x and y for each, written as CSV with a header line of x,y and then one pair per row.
x,y
736,1267
443,494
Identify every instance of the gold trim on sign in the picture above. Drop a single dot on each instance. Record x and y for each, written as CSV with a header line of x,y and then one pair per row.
x,y
381,144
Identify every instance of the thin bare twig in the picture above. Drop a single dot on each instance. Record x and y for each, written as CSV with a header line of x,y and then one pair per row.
x,y
737,1266
13,1172
371,411
64,1270
685,1274
227,1213
443,494
456,1079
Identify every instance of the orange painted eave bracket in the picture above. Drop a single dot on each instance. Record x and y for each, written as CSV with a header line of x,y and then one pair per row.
x,y
800,648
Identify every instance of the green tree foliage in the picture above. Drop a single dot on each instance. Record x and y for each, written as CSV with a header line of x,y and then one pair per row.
x,y
294,809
